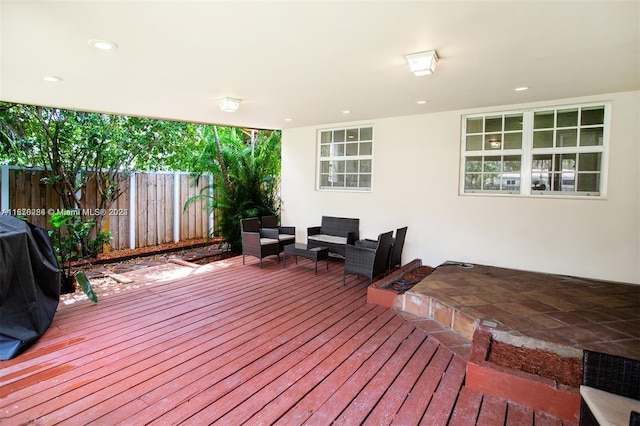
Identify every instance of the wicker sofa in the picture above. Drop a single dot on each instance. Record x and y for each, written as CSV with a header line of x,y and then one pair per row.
x,y
334,233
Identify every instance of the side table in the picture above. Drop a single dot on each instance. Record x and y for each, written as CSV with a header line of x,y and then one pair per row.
x,y
299,249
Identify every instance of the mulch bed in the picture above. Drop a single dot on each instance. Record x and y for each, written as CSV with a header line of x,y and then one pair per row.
x,y
563,370
133,254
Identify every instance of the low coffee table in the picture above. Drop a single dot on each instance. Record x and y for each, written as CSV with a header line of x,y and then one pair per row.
x,y
299,249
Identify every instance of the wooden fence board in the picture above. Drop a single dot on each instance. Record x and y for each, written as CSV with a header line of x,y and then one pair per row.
x,y
154,206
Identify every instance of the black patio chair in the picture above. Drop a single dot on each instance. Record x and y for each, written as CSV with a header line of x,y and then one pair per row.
x,y
258,242
363,260
286,234
395,258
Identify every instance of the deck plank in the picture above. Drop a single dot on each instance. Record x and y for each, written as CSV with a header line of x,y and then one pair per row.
x,y
467,407
493,411
366,400
418,399
343,395
444,399
228,343
217,353
385,411
255,406
218,384
315,388
519,415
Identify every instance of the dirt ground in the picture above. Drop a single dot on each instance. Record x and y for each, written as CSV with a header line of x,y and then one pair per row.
x,y
124,270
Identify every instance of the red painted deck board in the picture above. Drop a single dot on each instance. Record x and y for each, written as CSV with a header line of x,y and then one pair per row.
x,y
235,344
443,401
467,407
518,415
360,407
493,411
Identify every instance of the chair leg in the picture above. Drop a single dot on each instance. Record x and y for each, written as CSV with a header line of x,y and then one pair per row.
x,y
344,280
243,258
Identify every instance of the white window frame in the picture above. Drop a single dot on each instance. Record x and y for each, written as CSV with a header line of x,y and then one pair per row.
x,y
344,157
528,151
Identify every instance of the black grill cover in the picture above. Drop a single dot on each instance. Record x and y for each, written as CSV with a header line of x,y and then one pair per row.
x,y
29,285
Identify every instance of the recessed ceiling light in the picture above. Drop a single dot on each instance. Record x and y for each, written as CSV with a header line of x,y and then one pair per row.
x,y
52,78
421,102
521,89
346,111
288,119
102,44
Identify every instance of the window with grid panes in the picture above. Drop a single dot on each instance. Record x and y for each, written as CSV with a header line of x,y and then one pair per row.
x,y
493,153
345,158
552,151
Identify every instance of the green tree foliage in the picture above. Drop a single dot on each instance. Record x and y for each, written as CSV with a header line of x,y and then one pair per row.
x,y
246,169
75,149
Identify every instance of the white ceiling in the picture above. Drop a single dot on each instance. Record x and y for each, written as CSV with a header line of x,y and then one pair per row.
x,y
307,61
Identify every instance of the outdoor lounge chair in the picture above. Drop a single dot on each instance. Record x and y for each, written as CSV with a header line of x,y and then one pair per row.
x,y
286,234
258,242
361,259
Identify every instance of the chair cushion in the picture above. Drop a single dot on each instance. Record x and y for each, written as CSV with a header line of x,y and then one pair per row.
x,y
608,408
328,239
285,237
267,241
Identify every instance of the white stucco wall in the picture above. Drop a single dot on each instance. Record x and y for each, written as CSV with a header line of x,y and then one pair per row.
x,y
415,183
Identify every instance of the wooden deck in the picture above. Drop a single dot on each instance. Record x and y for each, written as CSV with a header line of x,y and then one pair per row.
x,y
235,344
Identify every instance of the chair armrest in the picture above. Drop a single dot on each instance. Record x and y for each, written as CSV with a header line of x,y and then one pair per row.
x,y
252,238
360,252
313,230
372,244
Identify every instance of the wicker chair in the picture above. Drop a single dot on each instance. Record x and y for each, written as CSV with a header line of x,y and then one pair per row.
x,y
363,260
613,374
286,234
395,258
258,242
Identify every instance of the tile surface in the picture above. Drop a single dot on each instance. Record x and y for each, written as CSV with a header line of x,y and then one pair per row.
x,y
575,312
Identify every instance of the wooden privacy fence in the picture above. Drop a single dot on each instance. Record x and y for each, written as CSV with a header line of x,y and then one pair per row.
x,y
149,212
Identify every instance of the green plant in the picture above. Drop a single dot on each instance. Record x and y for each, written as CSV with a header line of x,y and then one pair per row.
x,y
246,170
68,236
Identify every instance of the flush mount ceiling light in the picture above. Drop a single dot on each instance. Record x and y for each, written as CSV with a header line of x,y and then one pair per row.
x,y
102,44
422,63
229,104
